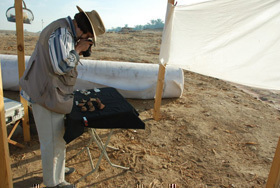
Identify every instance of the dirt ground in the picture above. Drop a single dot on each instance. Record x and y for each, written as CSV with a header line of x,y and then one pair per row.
x,y
216,135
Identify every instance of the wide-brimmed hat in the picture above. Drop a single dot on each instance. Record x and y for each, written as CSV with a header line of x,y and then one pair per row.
x,y
96,23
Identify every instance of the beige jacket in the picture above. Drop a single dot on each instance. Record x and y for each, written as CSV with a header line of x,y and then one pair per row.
x,y
53,91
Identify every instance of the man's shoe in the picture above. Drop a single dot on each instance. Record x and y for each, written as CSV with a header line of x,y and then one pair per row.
x,y
69,170
64,184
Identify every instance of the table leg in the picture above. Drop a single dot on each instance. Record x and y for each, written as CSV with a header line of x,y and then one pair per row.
x,y
102,147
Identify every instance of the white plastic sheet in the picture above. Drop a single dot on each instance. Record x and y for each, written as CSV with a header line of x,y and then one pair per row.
x,y
234,40
132,80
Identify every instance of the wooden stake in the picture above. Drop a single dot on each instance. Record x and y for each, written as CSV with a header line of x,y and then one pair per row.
x,y
21,65
160,84
273,180
5,167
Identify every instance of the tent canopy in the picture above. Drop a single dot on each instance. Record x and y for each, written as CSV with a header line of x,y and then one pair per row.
x,y
233,40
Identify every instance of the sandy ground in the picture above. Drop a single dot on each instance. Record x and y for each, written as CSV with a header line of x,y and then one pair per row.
x,y
216,135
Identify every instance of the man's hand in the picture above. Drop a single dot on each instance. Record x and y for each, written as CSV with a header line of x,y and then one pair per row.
x,y
83,45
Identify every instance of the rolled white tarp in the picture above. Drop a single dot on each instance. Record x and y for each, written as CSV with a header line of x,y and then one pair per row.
x,y
132,80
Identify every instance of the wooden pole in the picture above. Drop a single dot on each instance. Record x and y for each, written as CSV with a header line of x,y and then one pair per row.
x,y
21,65
273,180
160,84
5,167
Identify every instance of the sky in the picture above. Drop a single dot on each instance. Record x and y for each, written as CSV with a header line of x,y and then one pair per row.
x,y
114,13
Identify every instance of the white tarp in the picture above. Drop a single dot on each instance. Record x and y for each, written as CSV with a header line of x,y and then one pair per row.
x,y
234,40
132,80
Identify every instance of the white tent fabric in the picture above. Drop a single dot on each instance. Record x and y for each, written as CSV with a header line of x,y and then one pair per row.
x,y
132,80
233,40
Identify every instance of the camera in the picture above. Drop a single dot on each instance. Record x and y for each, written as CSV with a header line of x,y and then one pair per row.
x,y
87,53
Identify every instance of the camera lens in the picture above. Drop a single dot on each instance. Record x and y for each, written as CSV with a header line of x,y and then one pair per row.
x,y
88,52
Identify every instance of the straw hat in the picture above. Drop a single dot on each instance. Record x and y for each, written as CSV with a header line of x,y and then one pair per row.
x,y
96,23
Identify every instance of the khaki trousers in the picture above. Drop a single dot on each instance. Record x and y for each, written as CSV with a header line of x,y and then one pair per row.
x,y
50,127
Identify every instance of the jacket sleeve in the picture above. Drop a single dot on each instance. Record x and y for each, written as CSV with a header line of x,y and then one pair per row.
x,y
62,51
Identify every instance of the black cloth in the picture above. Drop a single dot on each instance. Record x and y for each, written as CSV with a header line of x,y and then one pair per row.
x,y
118,113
